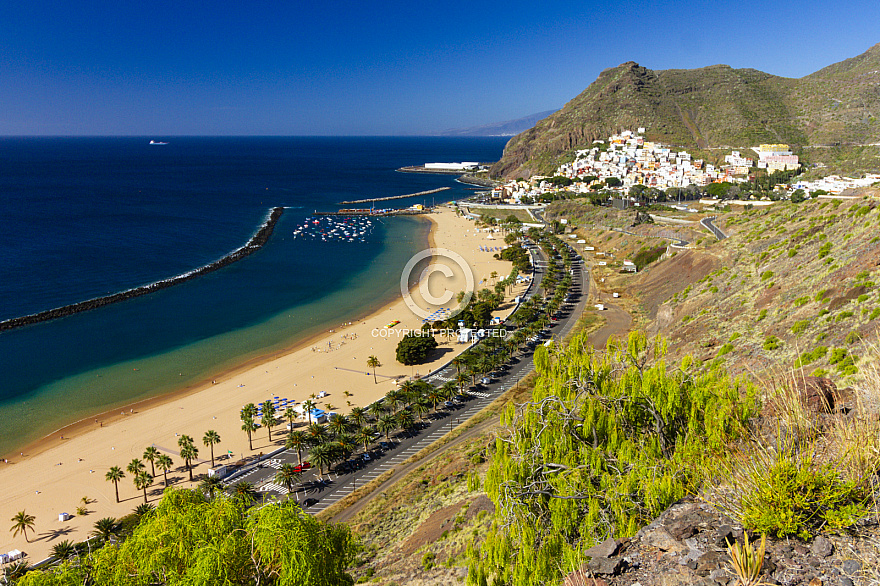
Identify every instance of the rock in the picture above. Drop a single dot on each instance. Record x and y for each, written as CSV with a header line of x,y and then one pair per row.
x,y
851,566
845,581
606,549
582,578
706,563
724,536
605,566
721,575
661,539
822,547
815,582
817,393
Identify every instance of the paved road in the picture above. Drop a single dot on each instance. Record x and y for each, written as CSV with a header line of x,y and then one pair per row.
x,y
707,224
316,494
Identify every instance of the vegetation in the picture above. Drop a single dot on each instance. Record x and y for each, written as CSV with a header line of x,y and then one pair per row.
x,y
414,348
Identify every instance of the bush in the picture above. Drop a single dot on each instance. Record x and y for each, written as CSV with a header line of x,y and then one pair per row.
x,y
428,560
788,493
852,337
824,250
862,298
800,326
802,301
725,349
875,313
762,315
766,275
414,348
843,315
812,356
771,343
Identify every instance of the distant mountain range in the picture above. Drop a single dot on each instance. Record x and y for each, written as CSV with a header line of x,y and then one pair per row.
x,y
508,128
710,107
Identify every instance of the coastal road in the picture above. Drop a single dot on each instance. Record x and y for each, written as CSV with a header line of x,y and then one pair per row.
x,y
316,494
708,225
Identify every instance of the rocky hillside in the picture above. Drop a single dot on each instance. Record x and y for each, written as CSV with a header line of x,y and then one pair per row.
x,y
715,106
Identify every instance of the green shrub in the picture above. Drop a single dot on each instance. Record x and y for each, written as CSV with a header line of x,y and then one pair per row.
x,y
762,315
812,356
428,560
820,372
852,337
800,326
792,252
843,315
735,336
789,493
822,296
802,300
771,343
824,312
725,349
766,275
825,250
862,298
875,313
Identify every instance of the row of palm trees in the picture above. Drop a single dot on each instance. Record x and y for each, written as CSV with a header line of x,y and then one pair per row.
x,y
138,470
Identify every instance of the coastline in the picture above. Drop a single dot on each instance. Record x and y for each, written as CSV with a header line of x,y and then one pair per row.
x,y
55,473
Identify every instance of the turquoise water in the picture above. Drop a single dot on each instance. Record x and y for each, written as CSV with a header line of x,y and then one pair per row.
x,y
89,217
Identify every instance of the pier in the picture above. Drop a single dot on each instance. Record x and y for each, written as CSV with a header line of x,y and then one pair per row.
x,y
371,199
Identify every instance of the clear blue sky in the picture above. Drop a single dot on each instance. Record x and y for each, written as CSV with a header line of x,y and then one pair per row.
x,y
296,67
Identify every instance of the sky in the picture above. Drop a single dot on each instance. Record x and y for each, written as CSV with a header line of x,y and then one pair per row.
x,y
296,67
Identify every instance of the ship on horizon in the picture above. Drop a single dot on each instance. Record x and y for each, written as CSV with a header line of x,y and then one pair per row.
x,y
157,142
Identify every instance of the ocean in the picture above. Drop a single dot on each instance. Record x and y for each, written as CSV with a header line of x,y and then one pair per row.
x,y
88,217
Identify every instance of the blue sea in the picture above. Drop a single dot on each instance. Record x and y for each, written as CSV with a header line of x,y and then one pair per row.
x,y
87,217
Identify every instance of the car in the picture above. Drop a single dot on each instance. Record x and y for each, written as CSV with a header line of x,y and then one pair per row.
x,y
302,467
366,457
309,502
448,404
485,380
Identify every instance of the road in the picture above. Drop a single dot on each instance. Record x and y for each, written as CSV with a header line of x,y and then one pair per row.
x,y
707,224
316,494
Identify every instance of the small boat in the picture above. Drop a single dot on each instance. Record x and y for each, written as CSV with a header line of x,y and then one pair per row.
x,y
156,142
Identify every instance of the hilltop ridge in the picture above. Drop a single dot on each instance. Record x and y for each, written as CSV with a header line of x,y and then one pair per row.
x,y
711,107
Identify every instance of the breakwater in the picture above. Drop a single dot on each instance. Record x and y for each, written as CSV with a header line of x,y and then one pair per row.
x,y
396,196
256,242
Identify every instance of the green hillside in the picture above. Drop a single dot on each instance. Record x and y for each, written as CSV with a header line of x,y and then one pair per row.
x,y
710,107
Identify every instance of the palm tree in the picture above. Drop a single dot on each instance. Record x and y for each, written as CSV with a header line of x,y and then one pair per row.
x,y
377,409
434,395
405,420
321,456
366,435
296,440
287,476
185,440
339,424
346,443
210,485
189,453
64,550
142,510
457,362
22,523
268,419
114,475
308,405
421,406
106,528
358,416
373,362
393,398
249,410
150,454
462,380
165,463
249,426
142,481
135,466
316,433
448,390
386,425
211,438
245,491
289,413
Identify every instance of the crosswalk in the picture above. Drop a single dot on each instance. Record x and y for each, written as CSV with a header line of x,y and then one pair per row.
x,y
274,487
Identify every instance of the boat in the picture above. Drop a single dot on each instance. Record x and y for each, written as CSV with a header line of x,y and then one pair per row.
x,y
156,142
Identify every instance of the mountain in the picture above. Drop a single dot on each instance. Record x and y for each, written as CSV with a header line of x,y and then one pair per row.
x,y
508,128
710,107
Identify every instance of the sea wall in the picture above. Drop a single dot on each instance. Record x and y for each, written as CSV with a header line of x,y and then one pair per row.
x,y
257,241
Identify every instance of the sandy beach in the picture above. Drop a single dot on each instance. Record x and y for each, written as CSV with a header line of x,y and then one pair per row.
x,y
54,475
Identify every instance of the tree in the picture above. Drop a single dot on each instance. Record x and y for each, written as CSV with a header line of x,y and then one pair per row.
x,y
414,348
373,362
22,523
268,419
150,454
798,196
287,476
321,456
358,416
135,466
211,438
165,463
309,406
289,413
114,475
366,435
296,440
249,426
192,540
613,182
142,481
339,424
106,528
210,485
64,550
189,453
245,491
386,424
